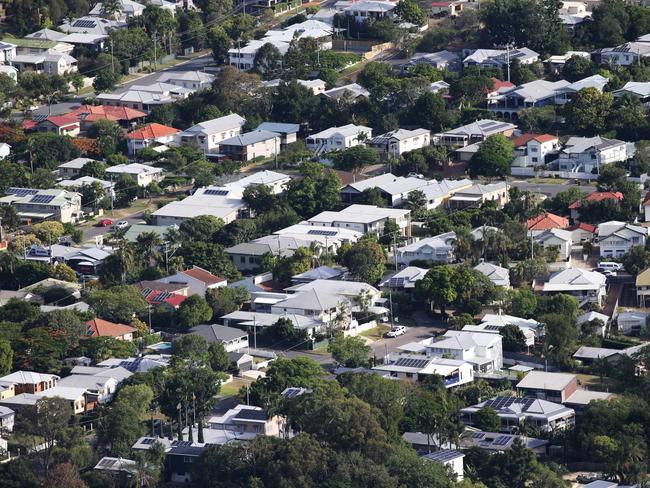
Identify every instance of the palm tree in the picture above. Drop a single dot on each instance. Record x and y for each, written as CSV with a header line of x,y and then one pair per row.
x,y
126,257
148,245
110,8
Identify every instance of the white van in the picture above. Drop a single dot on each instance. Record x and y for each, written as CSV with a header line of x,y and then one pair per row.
x,y
610,266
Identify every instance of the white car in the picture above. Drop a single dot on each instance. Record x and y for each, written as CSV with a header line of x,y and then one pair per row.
x,y
396,331
122,224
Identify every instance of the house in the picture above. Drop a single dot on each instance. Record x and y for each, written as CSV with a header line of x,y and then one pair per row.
x,y
586,286
9,71
479,194
366,10
76,397
231,338
498,442
49,62
534,94
196,279
254,319
29,382
439,60
512,411
145,97
288,132
127,9
556,238
338,138
247,256
35,205
482,350
317,86
192,80
626,54
638,89
72,168
207,135
643,288
28,45
587,154
99,389
545,221
90,25
446,8
251,145
616,238
597,196
142,173
399,141
118,373
498,58
319,273
92,42
273,180
149,135
552,387
223,202
364,219
493,323
87,115
140,364
352,90
415,367
471,133
103,328
631,322
439,248
451,459
243,57
7,419
60,125
7,51
135,230
118,467
591,317
534,149
162,300
556,62
404,280
328,239
573,14
566,93
582,232
496,274
645,205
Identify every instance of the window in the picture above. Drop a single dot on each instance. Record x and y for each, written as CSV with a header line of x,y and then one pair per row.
x,y
534,160
242,259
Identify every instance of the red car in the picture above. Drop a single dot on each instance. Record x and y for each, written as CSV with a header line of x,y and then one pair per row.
x,y
105,223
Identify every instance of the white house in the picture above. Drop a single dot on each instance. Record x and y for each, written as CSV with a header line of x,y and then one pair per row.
x,y
625,54
351,90
416,367
561,239
232,339
631,321
143,173
196,279
498,58
638,89
35,205
439,248
370,10
451,459
498,275
616,238
586,286
5,150
473,133
587,154
192,80
439,60
400,141
149,135
338,138
531,328
243,57
72,168
50,62
592,316
364,219
207,135
274,181
405,279
534,149
99,389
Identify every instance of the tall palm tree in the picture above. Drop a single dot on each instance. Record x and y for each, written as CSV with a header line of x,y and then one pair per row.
x,y
148,245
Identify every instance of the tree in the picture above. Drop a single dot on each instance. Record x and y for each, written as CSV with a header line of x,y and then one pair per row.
x,y
410,11
259,198
283,373
588,110
193,311
65,475
109,135
416,200
366,261
437,287
48,232
118,304
63,272
430,110
102,348
513,338
48,421
268,62
577,68
219,43
200,228
487,420
561,337
93,168
106,79
211,257
354,158
351,352
225,300
372,196
6,357
286,267
493,157
523,303
219,359
636,260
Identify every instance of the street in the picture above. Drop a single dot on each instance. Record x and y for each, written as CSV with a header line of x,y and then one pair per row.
x,y
195,64
89,233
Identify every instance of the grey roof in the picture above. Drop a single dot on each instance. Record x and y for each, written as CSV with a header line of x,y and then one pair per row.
x,y
279,127
218,125
249,138
322,272
217,333
444,455
546,381
485,127
576,145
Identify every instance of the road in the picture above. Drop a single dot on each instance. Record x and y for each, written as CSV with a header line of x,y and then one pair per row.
x,y
89,233
195,64
549,189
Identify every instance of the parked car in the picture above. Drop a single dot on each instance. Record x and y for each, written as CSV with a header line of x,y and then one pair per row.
x,y
105,223
122,224
396,331
605,271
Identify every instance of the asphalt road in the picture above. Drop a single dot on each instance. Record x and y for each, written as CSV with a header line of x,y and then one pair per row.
x,y
196,64
89,233
549,189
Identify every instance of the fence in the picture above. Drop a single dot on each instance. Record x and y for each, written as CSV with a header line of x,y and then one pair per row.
x,y
359,328
369,48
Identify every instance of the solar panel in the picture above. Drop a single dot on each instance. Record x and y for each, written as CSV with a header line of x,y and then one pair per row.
x,y
161,297
148,441
502,440
492,327
220,193
477,435
291,392
146,292
42,198
21,192
318,232
85,24
181,443
442,456
500,403
412,363
106,463
396,282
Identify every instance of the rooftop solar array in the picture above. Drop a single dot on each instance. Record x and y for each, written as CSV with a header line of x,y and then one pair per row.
x,y
492,327
21,192
293,392
250,414
502,440
442,456
162,296
412,363
500,403
85,24
42,198
318,232
221,193
148,440
181,443
396,282
146,292
107,463
477,435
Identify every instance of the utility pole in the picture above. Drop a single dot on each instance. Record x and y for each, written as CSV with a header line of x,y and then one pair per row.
x,y
508,59
154,38
112,59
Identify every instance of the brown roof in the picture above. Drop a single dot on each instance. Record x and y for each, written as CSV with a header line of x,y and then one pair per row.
x,y
598,196
523,139
346,177
151,131
203,275
547,221
104,328
92,113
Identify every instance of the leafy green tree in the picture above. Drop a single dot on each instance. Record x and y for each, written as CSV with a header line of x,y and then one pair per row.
x,y
431,112
487,420
513,338
193,311
493,157
355,158
200,228
102,348
437,287
351,352
6,357
366,261
522,303
259,198
211,257
562,335
106,79
289,266
268,62
577,67
118,304
219,360
636,260
50,422
48,232
372,196
588,110
283,373
93,168
410,11
225,300
219,43
110,136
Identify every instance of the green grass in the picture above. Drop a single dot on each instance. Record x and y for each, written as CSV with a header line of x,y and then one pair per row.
x,y
376,333
232,388
593,382
548,181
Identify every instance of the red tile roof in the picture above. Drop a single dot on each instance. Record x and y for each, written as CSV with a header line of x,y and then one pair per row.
x,y
171,299
498,84
523,139
61,120
152,131
92,113
104,328
547,221
598,196
584,226
202,275
29,124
